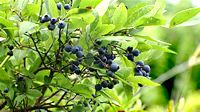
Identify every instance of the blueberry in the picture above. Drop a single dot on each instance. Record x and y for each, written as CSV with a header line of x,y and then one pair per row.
x,y
6,90
144,73
80,48
98,41
141,63
114,81
59,6
67,6
138,74
109,61
20,77
114,67
75,62
94,95
42,20
98,87
91,69
126,55
110,73
101,65
101,51
54,20
104,47
130,56
51,26
104,59
112,56
104,84
108,55
137,68
72,67
79,54
136,52
97,62
147,74
61,24
75,49
110,85
146,68
47,18
68,48
37,110
11,47
96,57
78,71
130,49
10,53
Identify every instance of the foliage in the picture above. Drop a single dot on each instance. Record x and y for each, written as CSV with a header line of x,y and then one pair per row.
x,y
38,74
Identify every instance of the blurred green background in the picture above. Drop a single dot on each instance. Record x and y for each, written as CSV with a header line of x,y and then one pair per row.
x,y
180,90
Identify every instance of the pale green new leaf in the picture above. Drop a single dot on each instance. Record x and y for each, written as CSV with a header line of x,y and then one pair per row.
x,y
150,21
51,8
142,80
163,49
102,7
86,3
158,9
78,13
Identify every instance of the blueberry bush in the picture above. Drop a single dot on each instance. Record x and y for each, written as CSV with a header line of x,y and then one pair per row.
x,y
72,55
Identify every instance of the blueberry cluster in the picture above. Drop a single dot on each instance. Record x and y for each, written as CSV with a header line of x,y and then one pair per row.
x,y
106,84
10,52
142,70
132,53
53,21
66,6
78,50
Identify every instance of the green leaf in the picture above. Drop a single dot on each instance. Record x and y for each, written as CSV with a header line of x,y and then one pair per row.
x,y
102,7
5,78
119,17
26,26
89,61
128,91
2,14
133,9
183,16
78,108
78,13
47,80
20,4
19,54
146,37
83,90
117,38
35,65
4,23
113,96
62,12
163,49
142,46
94,24
142,80
158,9
109,97
141,12
31,9
19,98
150,21
34,92
193,21
92,3
66,83
125,72
51,8
76,3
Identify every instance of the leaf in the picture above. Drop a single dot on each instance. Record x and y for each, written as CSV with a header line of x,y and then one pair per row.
x,y
94,24
19,98
102,7
47,80
19,54
142,80
78,108
20,4
133,9
119,17
31,9
5,78
183,16
150,21
141,12
109,97
89,61
113,96
35,65
76,3
66,83
62,12
146,37
4,23
163,49
2,14
26,26
51,8
193,21
78,13
83,90
158,9
142,46
91,3
117,38
34,92
128,91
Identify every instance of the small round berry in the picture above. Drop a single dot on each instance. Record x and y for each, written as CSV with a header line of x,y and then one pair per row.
x,y
75,62
59,6
137,68
130,56
68,48
54,20
101,51
114,81
98,41
6,90
80,48
114,67
10,53
97,62
20,77
110,85
75,49
47,17
146,68
109,61
101,65
67,6
113,56
144,73
141,63
42,20
61,24
51,26
11,47
110,73
98,87
104,84
79,54
130,49
78,71
104,59
138,74
96,57
136,52
72,68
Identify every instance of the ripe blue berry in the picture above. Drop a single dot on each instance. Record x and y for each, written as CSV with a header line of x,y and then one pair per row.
x,y
47,18
104,84
59,6
136,52
68,48
138,74
6,90
72,68
80,48
98,87
42,20
75,49
97,62
114,81
144,73
130,56
137,68
20,77
67,6
75,62
61,24
79,54
130,49
11,47
110,85
146,68
51,26
109,61
78,71
104,59
98,41
101,51
114,67
101,65
141,63
54,20
10,53
110,73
